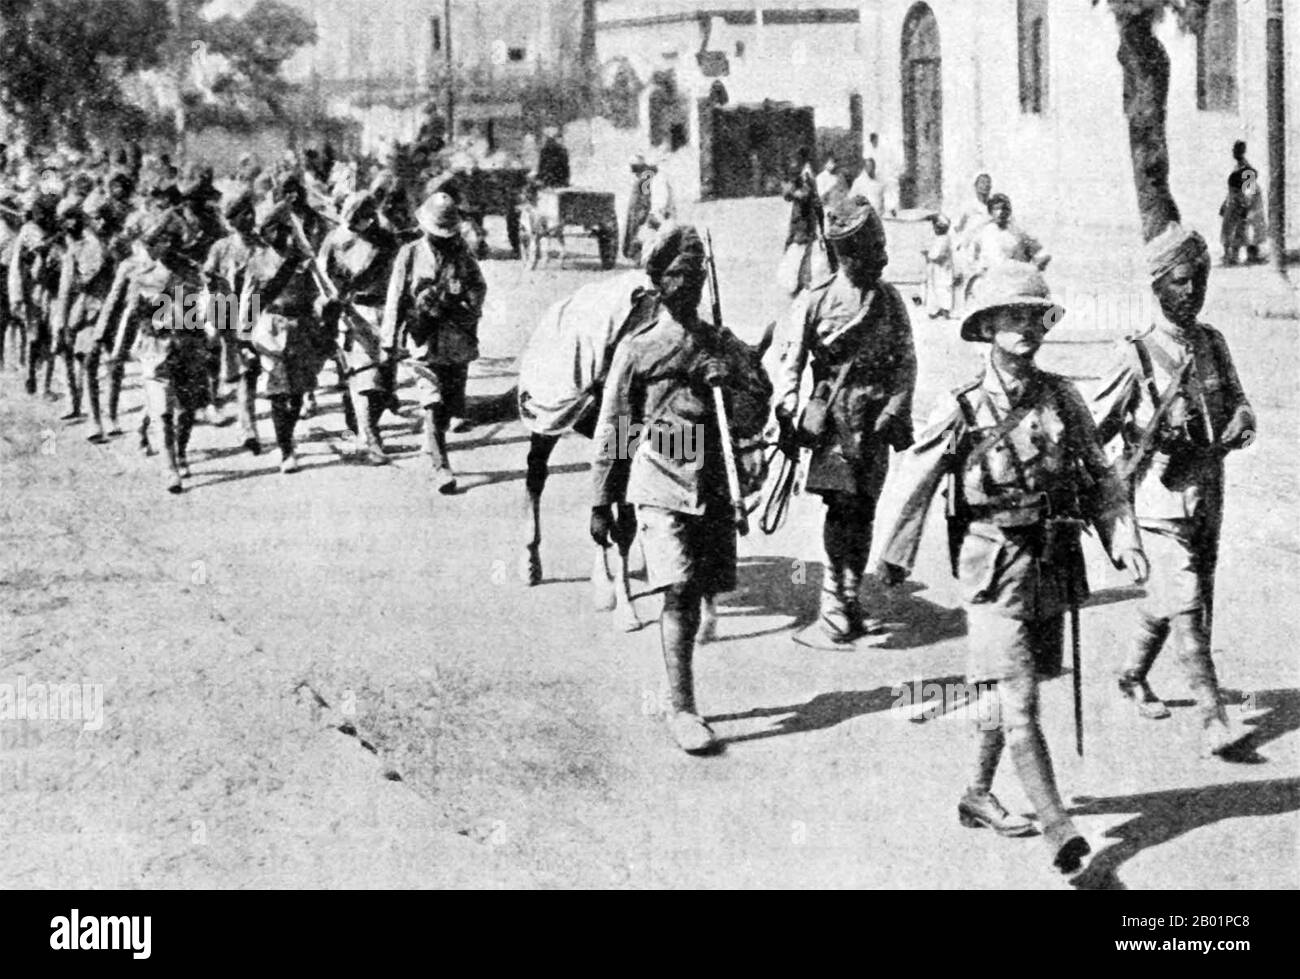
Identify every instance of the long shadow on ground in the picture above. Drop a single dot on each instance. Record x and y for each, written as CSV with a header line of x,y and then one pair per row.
x,y
826,710
1165,815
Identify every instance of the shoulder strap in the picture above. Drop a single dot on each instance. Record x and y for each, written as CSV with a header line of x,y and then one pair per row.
x,y
959,395
1148,373
1013,418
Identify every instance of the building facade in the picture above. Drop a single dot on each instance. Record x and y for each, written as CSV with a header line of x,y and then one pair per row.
x,y
383,64
1026,90
1032,93
662,58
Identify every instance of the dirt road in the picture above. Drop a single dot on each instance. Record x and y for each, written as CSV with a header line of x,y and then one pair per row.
x,y
498,735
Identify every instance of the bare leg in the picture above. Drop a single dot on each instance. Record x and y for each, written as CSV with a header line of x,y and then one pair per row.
x,y
540,448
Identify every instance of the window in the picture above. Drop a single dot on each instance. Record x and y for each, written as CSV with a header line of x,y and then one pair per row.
x,y
435,34
517,54
1216,58
1031,17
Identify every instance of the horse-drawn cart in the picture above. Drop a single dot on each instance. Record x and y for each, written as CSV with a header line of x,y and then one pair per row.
x,y
571,212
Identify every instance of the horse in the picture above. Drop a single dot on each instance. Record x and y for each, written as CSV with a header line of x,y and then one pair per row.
x,y
561,377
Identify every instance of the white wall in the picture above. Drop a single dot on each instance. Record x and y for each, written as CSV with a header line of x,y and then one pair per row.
x,y
818,65
1070,165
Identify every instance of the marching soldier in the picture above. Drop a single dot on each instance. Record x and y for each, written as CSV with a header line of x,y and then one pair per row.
x,y
856,330
435,298
288,336
1174,397
225,271
83,283
1024,473
661,381
10,224
358,258
163,300
34,284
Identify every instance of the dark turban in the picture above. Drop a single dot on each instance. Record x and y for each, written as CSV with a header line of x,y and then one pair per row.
x,y
683,242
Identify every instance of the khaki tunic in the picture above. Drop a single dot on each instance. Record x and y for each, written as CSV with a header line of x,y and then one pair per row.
x,y
874,408
1016,587
1178,496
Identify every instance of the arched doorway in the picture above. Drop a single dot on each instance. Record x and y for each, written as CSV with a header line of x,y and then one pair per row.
x,y
921,184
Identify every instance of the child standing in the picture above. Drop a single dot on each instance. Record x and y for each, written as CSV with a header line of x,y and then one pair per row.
x,y
939,275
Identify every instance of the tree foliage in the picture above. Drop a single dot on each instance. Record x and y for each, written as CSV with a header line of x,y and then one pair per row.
x,y
62,61
256,46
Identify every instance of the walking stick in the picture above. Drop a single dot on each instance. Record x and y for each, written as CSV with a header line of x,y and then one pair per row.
x,y
1077,659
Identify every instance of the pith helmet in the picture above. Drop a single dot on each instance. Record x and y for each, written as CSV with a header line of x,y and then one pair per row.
x,y
1005,286
439,216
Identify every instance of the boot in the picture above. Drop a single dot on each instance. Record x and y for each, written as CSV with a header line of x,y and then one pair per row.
x,y
1198,666
284,418
369,430
1034,766
978,810
175,484
435,446
184,426
979,807
1133,685
834,621
861,624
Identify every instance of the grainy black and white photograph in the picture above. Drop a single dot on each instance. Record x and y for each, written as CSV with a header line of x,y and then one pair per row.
x,y
649,445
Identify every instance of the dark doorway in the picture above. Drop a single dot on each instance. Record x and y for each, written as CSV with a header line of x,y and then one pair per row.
x,y
921,184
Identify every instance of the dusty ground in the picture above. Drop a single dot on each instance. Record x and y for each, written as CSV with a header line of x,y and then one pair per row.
x,y
499,735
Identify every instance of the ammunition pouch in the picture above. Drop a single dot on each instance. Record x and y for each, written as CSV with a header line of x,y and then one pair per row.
x,y
810,431
1062,541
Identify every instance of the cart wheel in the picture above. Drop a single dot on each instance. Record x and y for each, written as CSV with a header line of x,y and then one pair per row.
x,y
608,245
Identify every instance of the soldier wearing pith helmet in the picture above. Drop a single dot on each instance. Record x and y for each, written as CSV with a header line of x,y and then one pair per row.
x,y
855,330
1023,472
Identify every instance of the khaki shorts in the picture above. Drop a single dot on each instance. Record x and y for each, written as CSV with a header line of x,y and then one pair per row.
x,y
363,350
1180,571
1002,648
441,385
683,549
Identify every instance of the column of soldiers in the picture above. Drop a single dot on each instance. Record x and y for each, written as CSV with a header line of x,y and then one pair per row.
x,y
1017,453
135,260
